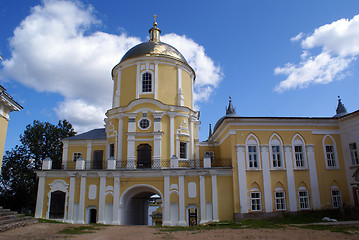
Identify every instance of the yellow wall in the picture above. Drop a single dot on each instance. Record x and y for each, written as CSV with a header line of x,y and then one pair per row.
x,y
3,130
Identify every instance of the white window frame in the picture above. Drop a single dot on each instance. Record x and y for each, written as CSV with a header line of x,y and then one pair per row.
x,y
109,151
252,141
152,82
186,149
280,200
255,200
354,153
333,154
336,198
149,123
76,155
278,144
303,201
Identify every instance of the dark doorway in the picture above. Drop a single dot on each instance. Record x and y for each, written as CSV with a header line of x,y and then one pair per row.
x,y
93,215
192,215
97,159
57,204
144,156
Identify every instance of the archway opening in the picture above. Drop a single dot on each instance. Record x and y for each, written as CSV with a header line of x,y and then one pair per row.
x,y
57,205
142,206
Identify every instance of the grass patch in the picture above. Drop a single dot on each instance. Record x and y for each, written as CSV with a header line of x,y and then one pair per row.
x,y
308,217
340,229
49,221
254,223
79,230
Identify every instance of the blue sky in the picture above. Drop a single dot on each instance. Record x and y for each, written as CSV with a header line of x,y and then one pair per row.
x,y
274,58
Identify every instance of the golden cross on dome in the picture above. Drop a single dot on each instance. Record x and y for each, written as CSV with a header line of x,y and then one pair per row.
x,y
155,17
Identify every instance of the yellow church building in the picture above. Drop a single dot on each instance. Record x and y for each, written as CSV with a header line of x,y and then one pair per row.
x,y
149,152
7,105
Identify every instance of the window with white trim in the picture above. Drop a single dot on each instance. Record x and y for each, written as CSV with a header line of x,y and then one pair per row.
x,y
256,203
299,156
111,151
183,150
303,197
329,151
279,200
76,155
354,153
276,157
252,156
336,198
146,85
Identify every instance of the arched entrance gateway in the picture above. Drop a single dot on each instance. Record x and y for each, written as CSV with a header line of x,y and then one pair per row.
x,y
135,203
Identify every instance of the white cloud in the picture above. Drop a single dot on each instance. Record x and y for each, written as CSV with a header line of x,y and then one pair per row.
x,y
298,37
54,50
339,43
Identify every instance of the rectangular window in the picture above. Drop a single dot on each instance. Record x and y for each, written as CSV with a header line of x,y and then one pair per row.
x,y
256,201
299,159
183,150
252,157
76,156
354,153
330,156
336,199
147,82
303,199
280,200
112,151
276,157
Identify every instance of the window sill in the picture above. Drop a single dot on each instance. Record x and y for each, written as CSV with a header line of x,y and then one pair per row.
x,y
254,169
278,169
332,168
300,169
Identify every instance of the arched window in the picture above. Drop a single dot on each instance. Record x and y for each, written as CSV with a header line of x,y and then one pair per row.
x,y
276,152
252,149
299,154
256,200
336,197
279,195
146,83
330,152
303,197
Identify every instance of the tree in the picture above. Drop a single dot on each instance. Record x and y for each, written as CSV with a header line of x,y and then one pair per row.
x,y
18,181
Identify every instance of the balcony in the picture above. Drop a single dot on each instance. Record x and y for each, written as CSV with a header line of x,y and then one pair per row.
x,y
133,165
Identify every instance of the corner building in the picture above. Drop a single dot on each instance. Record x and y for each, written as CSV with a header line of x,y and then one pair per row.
x,y
149,155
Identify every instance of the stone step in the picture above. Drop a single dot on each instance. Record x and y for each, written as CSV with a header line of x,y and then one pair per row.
x,y
16,224
10,219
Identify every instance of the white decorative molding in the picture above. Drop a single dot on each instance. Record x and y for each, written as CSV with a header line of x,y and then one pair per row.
x,y
92,192
192,190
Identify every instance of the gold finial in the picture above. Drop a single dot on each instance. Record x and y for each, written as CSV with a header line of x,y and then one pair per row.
x,y
155,20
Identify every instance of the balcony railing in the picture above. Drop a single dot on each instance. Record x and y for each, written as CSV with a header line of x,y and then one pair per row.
x,y
131,165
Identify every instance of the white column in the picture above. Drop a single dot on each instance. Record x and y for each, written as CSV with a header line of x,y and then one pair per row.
x,y
172,134
70,215
313,177
196,142
290,179
242,179
101,203
166,200
214,198
131,151
81,219
157,139
65,151
40,194
88,155
268,203
180,100
118,90
191,143
138,80
202,198
182,209
116,199
119,140
155,89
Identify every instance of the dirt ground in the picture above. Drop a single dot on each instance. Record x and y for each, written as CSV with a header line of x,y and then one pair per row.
x,y
50,231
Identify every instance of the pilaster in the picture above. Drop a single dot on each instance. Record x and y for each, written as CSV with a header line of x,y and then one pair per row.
x,y
268,203
81,219
313,177
70,215
242,179
101,204
40,194
290,179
